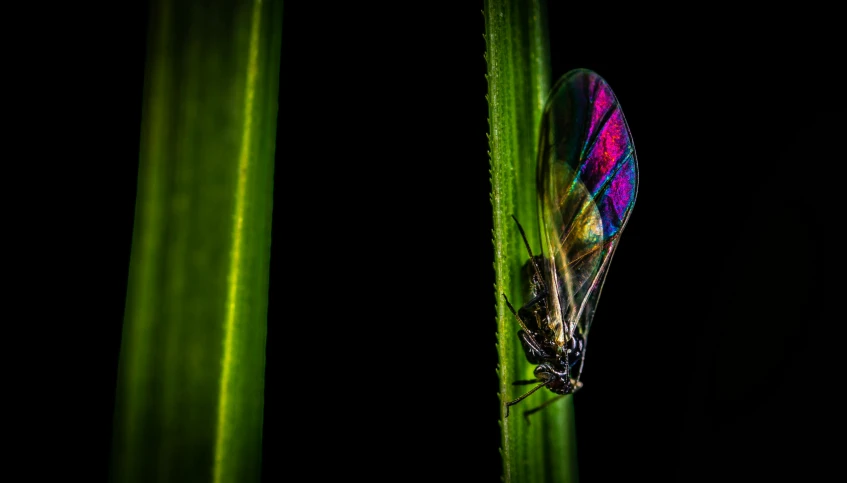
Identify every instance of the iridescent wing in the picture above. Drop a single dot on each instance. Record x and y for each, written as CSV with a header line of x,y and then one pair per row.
x,y
587,182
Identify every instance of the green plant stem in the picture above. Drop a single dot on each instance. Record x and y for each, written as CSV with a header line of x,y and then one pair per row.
x,y
518,76
191,372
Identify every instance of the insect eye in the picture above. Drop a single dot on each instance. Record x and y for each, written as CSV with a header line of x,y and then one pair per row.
x,y
543,372
575,344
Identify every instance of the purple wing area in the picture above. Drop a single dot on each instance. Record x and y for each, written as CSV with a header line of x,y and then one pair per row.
x,y
587,183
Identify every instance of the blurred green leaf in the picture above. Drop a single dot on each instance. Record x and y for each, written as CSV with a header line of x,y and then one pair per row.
x,y
191,375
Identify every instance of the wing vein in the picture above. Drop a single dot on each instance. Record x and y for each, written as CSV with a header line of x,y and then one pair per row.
x,y
604,187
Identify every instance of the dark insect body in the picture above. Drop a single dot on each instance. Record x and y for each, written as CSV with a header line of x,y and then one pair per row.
x,y
587,180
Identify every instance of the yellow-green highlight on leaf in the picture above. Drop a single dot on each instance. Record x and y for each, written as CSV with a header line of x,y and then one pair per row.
x,y
517,55
224,423
191,373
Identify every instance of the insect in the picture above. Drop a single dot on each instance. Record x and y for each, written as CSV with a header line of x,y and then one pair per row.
x,y
587,180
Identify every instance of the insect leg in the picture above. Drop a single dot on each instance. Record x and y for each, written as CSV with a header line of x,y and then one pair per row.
x,y
542,406
535,299
521,398
531,257
578,384
520,321
525,381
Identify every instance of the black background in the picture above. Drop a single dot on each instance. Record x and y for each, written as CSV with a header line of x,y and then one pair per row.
x,y
713,353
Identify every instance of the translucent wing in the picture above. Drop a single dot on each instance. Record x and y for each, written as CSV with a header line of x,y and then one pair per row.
x,y
587,182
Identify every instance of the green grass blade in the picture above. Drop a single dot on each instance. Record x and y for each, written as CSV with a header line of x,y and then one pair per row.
x,y
191,376
517,53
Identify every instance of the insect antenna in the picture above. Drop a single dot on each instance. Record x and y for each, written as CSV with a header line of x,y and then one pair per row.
x,y
521,398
